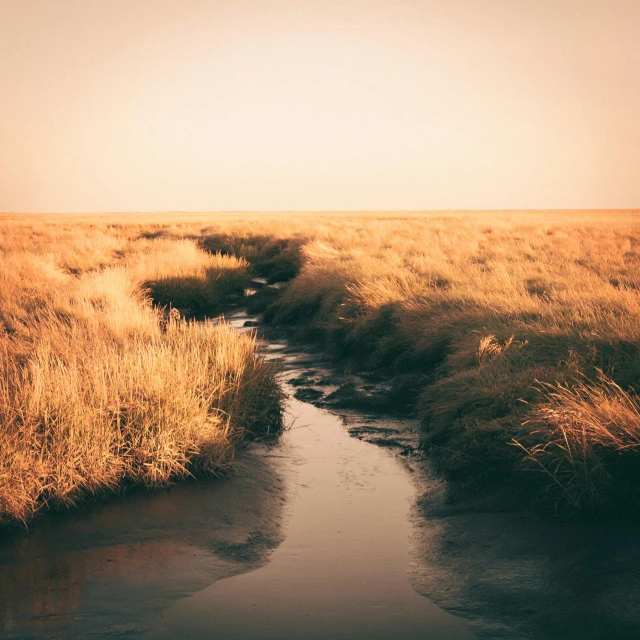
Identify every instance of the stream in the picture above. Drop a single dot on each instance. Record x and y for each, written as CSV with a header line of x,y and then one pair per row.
x,y
318,535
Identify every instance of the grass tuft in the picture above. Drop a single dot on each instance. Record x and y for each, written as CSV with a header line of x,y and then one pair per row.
x,y
585,439
99,390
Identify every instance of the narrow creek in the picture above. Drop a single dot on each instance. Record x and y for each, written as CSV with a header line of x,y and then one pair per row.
x,y
341,571
308,538
316,535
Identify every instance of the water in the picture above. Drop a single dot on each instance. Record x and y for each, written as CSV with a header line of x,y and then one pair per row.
x,y
342,570
309,538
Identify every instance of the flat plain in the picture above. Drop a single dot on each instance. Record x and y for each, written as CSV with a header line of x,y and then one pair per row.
x,y
513,335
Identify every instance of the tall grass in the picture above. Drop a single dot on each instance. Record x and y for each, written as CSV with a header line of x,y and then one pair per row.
x,y
470,314
179,273
585,438
97,391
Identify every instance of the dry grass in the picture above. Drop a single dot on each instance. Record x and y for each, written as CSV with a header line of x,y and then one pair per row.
x,y
96,389
584,435
179,273
469,313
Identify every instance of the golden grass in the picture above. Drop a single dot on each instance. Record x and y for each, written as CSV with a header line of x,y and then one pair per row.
x,y
96,390
469,312
585,433
475,311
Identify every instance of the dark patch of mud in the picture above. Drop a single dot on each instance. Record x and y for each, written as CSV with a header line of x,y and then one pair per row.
x,y
519,576
403,435
111,569
355,392
308,394
315,378
514,574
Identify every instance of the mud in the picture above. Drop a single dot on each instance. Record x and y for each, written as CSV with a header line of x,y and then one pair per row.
x,y
110,570
320,535
519,576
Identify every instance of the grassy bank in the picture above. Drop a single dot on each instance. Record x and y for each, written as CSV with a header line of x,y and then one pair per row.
x,y
515,340
513,336
99,387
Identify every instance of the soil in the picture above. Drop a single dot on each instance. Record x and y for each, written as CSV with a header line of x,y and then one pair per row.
x,y
320,533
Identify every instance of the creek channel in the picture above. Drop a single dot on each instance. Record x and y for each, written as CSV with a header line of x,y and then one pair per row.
x,y
308,538
317,535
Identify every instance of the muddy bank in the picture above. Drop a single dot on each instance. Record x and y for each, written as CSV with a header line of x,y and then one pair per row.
x,y
521,576
510,572
109,570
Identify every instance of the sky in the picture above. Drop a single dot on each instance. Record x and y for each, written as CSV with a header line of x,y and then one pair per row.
x,y
205,105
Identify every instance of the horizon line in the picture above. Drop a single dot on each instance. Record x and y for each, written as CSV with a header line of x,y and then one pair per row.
x,y
245,211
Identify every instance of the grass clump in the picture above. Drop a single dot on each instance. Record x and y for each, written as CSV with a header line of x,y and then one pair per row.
x,y
272,258
181,274
585,438
82,421
98,391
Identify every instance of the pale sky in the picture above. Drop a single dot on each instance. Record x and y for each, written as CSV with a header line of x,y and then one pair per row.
x,y
201,105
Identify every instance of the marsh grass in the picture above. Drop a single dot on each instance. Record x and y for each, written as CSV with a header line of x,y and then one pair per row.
x,y
180,274
585,439
469,314
98,392
473,314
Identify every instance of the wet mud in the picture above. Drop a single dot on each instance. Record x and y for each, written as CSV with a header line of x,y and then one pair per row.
x,y
109,570
319,535
518,576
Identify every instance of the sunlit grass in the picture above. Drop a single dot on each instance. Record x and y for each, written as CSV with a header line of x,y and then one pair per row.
x,y
98,390
471,314
584,437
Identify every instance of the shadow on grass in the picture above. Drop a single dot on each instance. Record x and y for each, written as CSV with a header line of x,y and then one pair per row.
x,y
200,296
270,260
472,406
275,259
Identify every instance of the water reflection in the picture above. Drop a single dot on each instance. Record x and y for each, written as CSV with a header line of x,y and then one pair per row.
x,y
342,570
115,566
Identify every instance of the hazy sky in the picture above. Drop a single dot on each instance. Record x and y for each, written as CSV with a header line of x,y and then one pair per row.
x,y
120,105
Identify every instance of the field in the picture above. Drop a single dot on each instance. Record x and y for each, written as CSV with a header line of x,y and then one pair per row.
x,y
101,389
513,336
